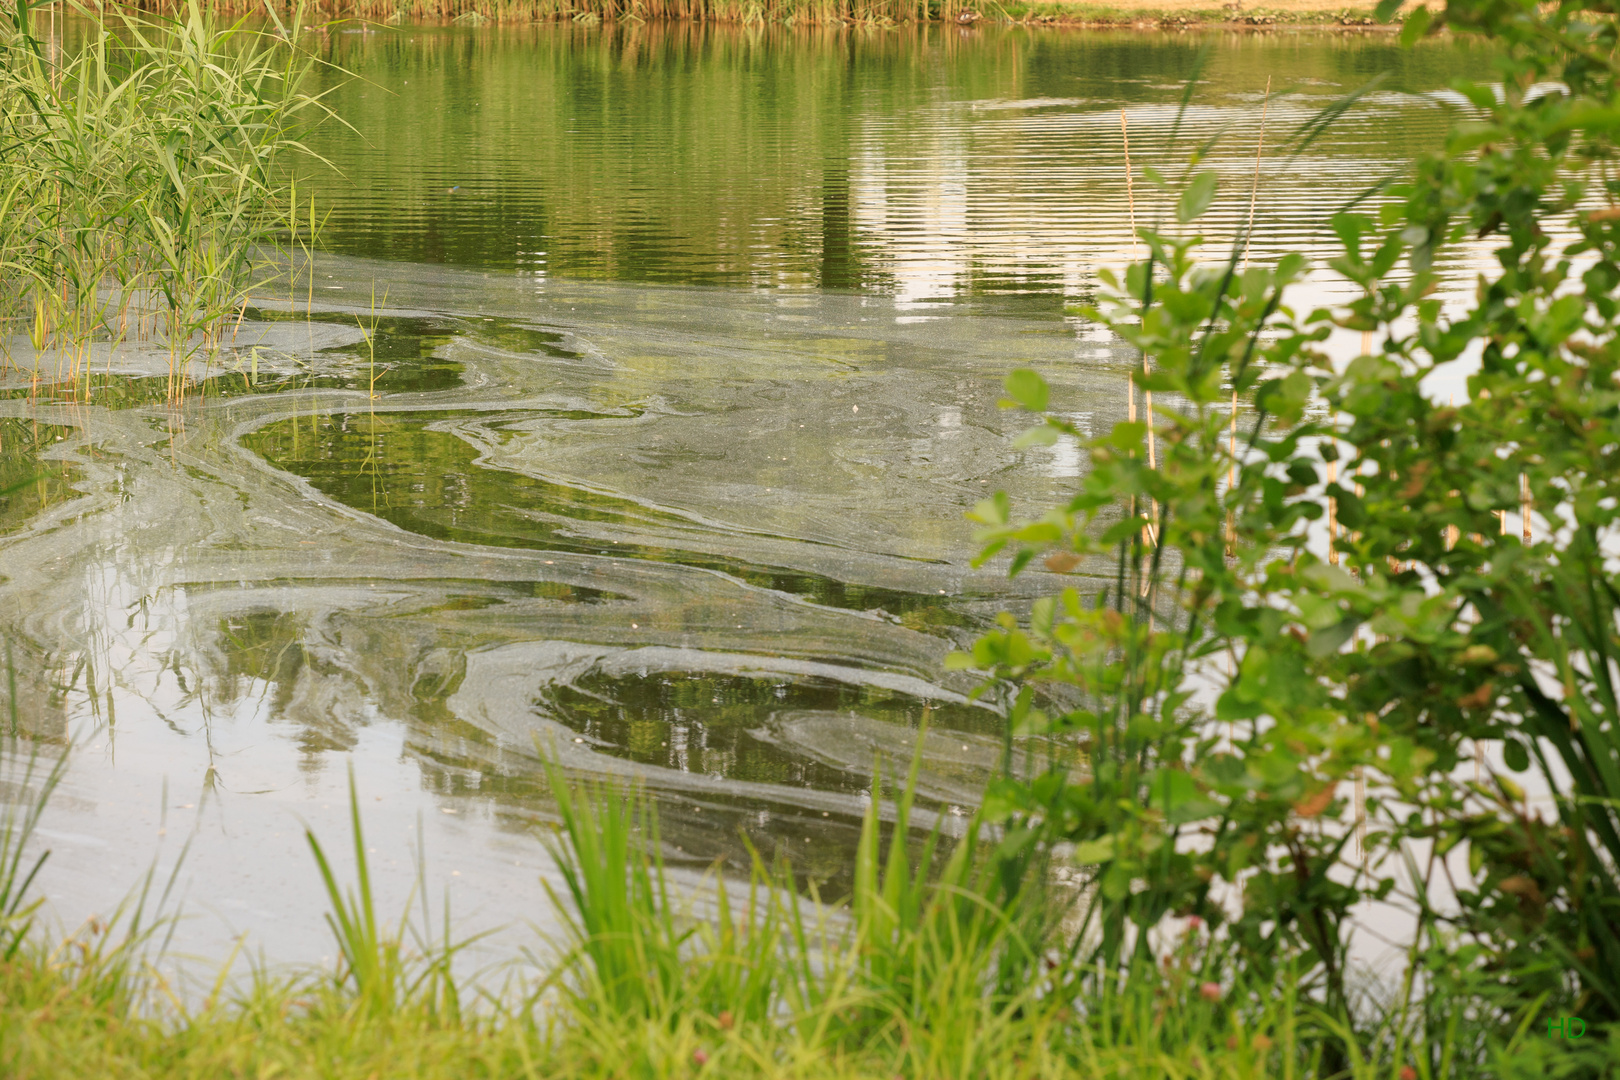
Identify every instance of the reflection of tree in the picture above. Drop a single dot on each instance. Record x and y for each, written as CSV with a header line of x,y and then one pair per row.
x,y
403,354
320,660
628,145
267,654
731,155
404,469
838,264
710,722
34,683
328,676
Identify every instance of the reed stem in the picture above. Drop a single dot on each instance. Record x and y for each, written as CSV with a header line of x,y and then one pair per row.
x,y
1254,191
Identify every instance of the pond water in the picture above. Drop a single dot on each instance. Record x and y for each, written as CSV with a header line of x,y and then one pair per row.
x,y
630,416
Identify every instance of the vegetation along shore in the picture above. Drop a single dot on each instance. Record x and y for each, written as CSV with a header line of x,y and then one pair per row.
x,y
1170,14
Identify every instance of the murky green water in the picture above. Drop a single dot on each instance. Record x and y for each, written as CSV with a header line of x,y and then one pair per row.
x,y
631,418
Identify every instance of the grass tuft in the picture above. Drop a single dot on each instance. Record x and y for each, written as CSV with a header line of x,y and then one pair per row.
x,y
941,964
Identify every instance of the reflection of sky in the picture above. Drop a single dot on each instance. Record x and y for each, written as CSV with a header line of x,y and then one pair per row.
x,y
183,769
1031,195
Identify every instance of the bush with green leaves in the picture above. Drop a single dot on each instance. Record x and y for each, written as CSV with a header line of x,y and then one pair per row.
x,y
1230,664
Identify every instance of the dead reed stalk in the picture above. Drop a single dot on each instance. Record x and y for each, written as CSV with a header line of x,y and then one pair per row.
x,y
1130,378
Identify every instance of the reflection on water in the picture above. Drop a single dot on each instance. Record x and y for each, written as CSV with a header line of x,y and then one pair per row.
x,y
418,471
648,449
715,537
722,726
29,481
934,164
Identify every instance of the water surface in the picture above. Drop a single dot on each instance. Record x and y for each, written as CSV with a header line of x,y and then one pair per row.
x,y
942,167
630,418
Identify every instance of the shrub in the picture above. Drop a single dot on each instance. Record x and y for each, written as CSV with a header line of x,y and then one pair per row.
x,y
1348,581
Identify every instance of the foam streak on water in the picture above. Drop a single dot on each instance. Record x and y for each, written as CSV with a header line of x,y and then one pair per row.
x,y
664,533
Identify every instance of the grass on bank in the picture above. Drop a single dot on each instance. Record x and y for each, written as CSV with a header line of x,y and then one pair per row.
x,y
930,969
478,12
1186,16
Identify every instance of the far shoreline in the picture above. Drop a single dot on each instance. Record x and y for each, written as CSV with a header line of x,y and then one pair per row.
x,y
1147,15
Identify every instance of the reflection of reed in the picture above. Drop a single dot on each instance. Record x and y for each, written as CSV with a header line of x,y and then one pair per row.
x,y
870,13
777,116
1130,201
1254,189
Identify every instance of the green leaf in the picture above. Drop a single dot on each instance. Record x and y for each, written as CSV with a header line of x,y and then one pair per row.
x,y
1386,10
1196,199
1032,722
1028,389
1224,769
1127,436
1329,578
992,511
1416,25
1469,134
1124,530
1516,756
1175,793
1286,397
1002,799
1350,228
1116,884
1331,640
1092,852
1236,705
1039,532
1038,436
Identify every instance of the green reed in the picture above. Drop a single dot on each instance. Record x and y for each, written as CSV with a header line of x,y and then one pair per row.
x,y
145,181
376,967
